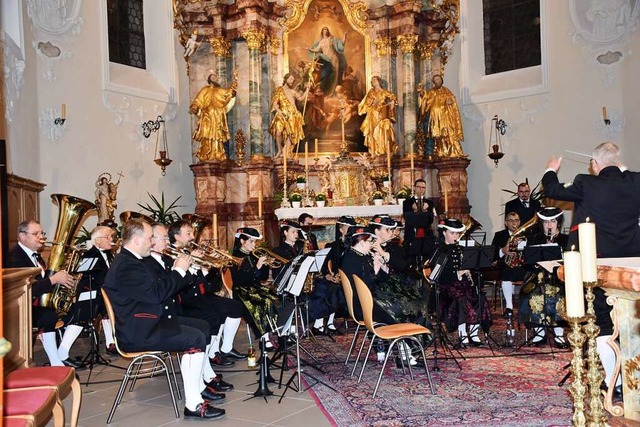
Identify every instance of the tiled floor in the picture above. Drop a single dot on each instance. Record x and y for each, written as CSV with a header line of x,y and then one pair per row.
x,y
150,404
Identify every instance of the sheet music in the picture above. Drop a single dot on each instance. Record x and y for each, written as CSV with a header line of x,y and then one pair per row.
x,y
86,264
549,265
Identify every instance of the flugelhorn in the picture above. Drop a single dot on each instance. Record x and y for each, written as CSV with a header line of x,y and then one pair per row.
x,y
216,255
273,260
199,263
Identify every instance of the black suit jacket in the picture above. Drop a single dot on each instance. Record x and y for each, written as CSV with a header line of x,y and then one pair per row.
x,y
137,296
18,258
611,200
499,240
525,214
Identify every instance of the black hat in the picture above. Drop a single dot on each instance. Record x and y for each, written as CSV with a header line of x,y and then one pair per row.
x,y
291,224
346,220
359,230
452,224
383,221
249,232
549,213
399,224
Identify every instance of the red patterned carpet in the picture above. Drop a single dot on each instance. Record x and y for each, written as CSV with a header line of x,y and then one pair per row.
x,y
506,389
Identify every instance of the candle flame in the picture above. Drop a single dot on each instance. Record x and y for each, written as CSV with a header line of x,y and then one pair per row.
x,y
587,219
573,247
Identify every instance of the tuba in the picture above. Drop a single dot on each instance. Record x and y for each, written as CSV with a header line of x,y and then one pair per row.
x,y
64,256
198,223
515,258
470,225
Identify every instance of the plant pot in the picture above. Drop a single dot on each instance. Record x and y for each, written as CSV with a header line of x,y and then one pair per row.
x,y
296,204
377,202
385,184
401,201
300,185
320,203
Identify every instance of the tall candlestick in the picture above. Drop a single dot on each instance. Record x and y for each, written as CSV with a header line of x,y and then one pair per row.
x,y
316,148
260,204
284,165
604,113
411,155
63,111
388,158
215,229
306,155
446,200
574,290
587,242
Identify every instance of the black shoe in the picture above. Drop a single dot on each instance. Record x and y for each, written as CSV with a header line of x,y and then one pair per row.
x,y
233,354
538,343
560,342
70,363
507,312
221,361
318,331
219,385
204,411
333,330
475,342
211,395
112,349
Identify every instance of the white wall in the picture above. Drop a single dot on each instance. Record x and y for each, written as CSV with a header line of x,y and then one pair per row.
x,y
96,140
567,117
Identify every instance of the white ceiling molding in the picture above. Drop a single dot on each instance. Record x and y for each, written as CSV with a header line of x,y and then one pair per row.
x,y
55,17
13,71
48,125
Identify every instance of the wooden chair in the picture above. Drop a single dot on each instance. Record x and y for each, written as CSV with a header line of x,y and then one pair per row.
x,y
348,295
144,364
60,379
397,333
227,282
32,407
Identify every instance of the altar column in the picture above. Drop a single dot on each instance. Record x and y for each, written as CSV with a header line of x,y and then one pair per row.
x,y
383,49
407,44
255,38
221,49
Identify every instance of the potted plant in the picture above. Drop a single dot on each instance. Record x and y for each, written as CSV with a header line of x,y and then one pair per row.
x,y
378,197
402,195
160,211
296,199
385,180
321,200
301,182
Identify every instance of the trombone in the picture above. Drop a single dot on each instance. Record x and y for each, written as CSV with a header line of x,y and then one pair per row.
x,y
273,260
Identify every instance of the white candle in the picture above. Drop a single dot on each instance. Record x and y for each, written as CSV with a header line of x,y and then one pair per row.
x,y
604,113
411,157
389,158
215,228
306,156
446,200
260,204
284,163
587,242
574,291
316,148
63,112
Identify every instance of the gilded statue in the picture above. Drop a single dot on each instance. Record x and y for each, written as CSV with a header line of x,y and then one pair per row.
x,y
286,126
379,105
440,114
211,106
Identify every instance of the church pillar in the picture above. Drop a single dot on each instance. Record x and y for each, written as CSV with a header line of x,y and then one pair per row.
x,y
221,49
384,49
407,44
425,50
255,38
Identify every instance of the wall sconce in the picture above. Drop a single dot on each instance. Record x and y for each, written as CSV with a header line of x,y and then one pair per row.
x,y
498,128
162,148
63,116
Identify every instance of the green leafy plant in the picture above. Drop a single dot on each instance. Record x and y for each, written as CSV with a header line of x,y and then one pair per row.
x,y
320,197
402,194
295,197
160,211
83,237
385,177
300,179
377,195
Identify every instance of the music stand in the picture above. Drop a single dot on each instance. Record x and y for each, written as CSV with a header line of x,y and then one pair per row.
x,y
474,259
438,261
534,255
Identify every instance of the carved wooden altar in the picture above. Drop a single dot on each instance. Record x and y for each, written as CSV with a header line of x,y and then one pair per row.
x,y
402,44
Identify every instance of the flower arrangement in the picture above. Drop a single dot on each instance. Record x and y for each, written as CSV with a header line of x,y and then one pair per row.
x,y
385,177
295,197
377,195
300,179
320,197
403,194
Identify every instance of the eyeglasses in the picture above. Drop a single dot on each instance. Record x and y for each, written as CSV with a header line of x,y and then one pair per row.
x,y
424,187
37,233
513,220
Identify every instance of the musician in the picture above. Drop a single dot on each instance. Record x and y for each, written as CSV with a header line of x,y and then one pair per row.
x,y
610,197
398,294
137,297
200,301
419,213
510,250
459,303
289,247
101,246
27,254
160,265
306,221
258,299
523,205
541,298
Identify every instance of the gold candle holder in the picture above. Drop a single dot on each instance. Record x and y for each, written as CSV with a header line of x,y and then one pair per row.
x,y
578,389
594,377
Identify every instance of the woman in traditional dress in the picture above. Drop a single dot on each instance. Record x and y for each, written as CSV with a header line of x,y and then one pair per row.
x,y
541,296
459,303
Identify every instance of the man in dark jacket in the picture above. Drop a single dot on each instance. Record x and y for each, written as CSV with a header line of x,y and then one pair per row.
x,y
523,205
610,198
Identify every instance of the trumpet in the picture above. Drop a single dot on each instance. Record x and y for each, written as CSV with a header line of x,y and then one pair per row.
x,y
273,260
216,255
200,263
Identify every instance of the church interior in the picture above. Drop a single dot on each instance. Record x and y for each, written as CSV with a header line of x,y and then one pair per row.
x,y
115,93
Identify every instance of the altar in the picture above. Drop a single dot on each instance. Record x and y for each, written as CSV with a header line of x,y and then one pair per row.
x,y
328,215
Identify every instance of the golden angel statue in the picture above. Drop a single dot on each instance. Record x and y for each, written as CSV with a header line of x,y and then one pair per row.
x,y
380,107
286,126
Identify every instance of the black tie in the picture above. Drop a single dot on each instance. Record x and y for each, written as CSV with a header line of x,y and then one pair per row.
x,y
526,204
40,262
108,256
420,204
